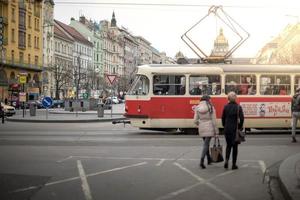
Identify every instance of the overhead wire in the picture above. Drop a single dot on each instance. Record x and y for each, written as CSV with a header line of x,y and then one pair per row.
x,y
64,2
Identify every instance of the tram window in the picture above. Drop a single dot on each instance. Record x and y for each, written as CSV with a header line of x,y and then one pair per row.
x,y
297,83
275,85
140,86
169,85
205,84
241,84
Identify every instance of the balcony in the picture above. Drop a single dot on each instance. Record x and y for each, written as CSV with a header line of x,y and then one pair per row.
x,y
5,41
21,65
4,1
5,20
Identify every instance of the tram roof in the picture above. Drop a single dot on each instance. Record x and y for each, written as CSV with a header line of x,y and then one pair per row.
x,y
218,68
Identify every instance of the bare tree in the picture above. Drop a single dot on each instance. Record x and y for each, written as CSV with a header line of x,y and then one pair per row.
x,y
62,77
125,81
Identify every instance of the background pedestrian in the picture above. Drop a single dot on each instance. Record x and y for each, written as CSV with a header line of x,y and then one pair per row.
x,y
295,107
232,118
2,112
205,119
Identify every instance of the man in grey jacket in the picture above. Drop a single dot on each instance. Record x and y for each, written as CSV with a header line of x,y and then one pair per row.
x,y
295,107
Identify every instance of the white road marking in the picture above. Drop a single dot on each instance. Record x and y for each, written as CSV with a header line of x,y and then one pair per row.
x,y
190,187
139,158
84,183
77,177
207,182
64,159
116,169
198,178
264,170
160,162
262,165
178,192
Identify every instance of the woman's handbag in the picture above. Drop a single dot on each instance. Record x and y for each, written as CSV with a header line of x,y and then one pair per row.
x,y
240,136
217,152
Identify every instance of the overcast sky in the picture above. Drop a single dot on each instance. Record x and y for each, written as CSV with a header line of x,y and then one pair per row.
x,y
164,25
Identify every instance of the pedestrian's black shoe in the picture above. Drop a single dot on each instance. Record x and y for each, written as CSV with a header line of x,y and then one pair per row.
x,y
294,139
226,165
234,167
209,161
202,166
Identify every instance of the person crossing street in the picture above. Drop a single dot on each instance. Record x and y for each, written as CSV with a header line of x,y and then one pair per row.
x,y
295,107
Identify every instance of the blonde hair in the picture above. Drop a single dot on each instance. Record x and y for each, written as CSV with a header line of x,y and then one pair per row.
x,y
231,96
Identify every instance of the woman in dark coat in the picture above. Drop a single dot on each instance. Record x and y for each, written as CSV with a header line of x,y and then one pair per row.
x,y
229,122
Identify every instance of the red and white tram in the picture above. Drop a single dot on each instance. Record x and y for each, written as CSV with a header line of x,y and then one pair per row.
x,y
163,96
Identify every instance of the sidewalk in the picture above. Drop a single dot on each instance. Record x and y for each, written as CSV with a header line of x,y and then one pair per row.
x,y
289,176
62,116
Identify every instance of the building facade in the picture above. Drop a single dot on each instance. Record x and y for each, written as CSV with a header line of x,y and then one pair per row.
x,y
113,46
282,49
22,50
82,59
156,59
91,32
130,54
165,59
144,51
48,45
62,69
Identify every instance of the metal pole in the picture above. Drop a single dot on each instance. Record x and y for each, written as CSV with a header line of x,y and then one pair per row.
x,y
77,85
47,113
112,103
23,101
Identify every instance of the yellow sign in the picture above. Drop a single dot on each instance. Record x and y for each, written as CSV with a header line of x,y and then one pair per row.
x,y
23,79
193,101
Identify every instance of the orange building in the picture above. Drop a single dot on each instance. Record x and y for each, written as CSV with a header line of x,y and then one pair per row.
x,y
21,50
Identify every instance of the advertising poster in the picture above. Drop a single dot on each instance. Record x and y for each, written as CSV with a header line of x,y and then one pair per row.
x,y
266,109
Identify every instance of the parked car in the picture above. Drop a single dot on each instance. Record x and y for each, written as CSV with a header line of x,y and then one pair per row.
x,y
27,104
58,103
107,105
114,99
39,104
8,110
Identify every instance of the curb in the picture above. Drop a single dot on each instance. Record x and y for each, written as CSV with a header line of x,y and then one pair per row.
x,y
65,120
288,178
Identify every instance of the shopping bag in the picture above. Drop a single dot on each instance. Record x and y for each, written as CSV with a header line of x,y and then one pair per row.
x,y
217,151
240,136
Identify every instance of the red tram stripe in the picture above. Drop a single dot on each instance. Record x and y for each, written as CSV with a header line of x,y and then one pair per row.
x,y
181,107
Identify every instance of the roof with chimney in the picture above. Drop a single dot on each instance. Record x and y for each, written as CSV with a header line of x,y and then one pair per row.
x,y
58,32
74,33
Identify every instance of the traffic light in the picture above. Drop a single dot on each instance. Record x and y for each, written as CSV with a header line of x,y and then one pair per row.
x,y
1,32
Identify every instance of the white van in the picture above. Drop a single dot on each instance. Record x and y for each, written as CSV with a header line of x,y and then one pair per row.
x,y
8,110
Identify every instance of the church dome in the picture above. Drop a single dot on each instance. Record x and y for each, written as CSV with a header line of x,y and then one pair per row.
x,y
221,38
220,45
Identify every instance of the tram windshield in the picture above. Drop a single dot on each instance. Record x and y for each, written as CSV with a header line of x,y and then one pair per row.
x,y
140,86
